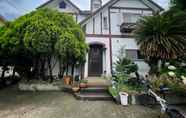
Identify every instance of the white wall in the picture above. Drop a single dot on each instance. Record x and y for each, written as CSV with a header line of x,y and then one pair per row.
x,y
130,44
130,4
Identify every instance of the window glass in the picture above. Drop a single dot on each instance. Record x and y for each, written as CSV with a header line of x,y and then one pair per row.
x,y
130,18
62,5
105,23
134,54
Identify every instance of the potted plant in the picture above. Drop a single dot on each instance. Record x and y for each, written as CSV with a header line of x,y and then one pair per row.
x,y
83,83
67,80
75,89
115,94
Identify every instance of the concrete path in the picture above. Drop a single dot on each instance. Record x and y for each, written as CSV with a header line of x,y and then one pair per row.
x,y
15,104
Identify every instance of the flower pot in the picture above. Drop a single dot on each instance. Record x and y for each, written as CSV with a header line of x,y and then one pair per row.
x,y
124,98
75,89
83,85
117,99
67,80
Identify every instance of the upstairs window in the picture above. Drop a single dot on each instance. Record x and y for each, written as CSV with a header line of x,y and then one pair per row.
x,y
62,5
131,17
105,23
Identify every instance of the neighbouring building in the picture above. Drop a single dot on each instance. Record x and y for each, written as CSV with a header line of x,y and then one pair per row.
x,y
108,28
2,21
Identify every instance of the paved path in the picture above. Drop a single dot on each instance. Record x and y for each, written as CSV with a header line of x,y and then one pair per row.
x,y
14,104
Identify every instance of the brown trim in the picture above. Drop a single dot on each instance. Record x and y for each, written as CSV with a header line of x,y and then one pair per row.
x,y
110,35
130,8
101,16
110,40
93,25
94,13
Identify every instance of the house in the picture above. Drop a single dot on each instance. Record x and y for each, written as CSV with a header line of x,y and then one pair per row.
x,y
2,21
108,29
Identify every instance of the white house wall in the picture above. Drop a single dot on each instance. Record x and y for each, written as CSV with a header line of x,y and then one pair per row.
x,y
128,44
55,5
130,4
95,24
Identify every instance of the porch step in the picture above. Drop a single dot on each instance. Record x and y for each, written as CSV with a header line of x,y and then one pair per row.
x,y
101,89
93,96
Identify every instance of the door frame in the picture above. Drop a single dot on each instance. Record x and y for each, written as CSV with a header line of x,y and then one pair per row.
x,y
101,47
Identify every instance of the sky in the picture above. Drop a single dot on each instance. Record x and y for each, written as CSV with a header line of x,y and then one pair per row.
x,y
11,9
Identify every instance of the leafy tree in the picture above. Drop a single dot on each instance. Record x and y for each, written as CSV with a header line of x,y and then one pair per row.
x,y
36,35
161,37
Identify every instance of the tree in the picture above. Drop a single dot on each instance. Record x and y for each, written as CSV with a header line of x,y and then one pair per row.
x,y
178,4
161,37
37,34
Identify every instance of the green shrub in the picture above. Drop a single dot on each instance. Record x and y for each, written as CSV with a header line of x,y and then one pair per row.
x,y
176,86
124,65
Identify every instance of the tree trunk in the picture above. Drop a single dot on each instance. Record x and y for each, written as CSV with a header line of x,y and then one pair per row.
x,y
3,75
14,71
50,68
72,71
60,68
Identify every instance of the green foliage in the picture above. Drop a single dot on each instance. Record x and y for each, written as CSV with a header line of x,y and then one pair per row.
x,y
126,66
175,85
162,36
179,4
42,34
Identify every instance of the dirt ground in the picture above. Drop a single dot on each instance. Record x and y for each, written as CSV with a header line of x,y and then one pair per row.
x,y
15,104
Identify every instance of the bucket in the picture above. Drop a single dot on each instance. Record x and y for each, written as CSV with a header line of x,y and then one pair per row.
x,y
124,98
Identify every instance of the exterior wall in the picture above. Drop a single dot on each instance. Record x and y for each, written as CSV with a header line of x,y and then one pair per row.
x,y
106,54
95,25
130,4
117,17
128,44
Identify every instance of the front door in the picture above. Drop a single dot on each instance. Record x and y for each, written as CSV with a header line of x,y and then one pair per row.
x,y
95,63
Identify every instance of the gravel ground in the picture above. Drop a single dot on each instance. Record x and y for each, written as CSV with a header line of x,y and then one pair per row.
x,y
15,104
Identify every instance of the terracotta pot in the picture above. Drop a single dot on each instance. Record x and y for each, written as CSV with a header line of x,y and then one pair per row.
x,y
67,80
75,89
83,85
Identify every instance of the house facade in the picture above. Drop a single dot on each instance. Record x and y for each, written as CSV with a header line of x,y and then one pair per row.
x,y
2,21
108,29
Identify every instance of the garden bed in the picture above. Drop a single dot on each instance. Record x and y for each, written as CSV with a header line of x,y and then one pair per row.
x,y
37,85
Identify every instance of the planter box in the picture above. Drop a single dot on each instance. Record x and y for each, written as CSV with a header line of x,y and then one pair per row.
x,y
142,99
39,87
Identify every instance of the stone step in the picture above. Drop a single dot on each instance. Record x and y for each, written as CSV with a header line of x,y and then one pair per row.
x,y
93,96
100,89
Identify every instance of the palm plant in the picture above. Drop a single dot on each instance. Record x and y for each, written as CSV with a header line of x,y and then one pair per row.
x,y
179,4
161,37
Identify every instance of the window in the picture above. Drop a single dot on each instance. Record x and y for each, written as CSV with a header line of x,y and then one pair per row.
x,y
134,54
130,17
105,23
62,5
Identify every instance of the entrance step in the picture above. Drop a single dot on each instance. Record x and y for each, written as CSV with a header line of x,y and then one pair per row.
x,y
97,82
97,89
100,89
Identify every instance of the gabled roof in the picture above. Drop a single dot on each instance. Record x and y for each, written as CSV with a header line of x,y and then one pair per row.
x,y
65,0
111,2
